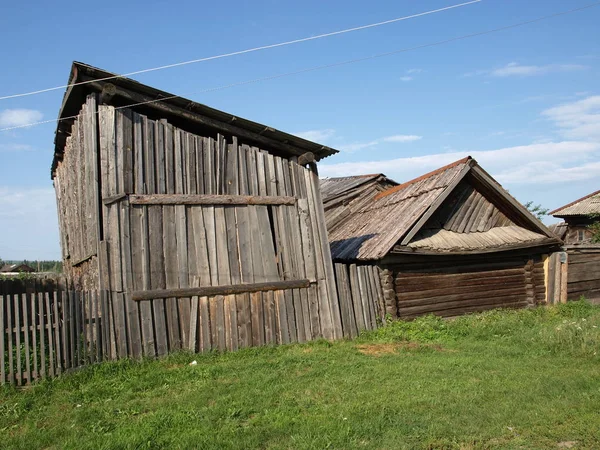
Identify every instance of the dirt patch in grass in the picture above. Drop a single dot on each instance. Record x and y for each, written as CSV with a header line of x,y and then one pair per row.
x,y
387,349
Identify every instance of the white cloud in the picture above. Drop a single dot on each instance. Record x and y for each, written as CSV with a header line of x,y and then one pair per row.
x,y
504,163
15,148
407,78
577,120
19,117
516,69
402,138
316,135
29,224
398,138
414,71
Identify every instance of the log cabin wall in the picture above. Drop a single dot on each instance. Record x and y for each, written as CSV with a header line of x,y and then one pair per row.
x,y
451,287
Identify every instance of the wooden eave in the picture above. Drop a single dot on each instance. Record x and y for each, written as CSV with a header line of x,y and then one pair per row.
x,y
183,113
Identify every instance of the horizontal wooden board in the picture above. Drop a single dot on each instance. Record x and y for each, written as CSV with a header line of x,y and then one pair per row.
x,y
208,291
198,199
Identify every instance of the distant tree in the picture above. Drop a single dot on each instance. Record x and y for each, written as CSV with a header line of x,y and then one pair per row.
x,y
595,228
537,210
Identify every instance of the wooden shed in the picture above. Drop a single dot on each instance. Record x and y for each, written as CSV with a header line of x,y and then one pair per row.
x,y
201,229
449,242
584,255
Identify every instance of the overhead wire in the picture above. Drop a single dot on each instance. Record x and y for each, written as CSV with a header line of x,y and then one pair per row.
x,y
327,66
250,50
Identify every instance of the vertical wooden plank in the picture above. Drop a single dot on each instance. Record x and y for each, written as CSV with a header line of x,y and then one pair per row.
x,y
282,322
564,270
356,298
57,333
269,317
313,305
78,326
72,328
48,326
344,300
184,304
17,313
299,315
257,318
34,329
9,320
169,239
83,330
131,307
2,340
64,328
27,348
374,296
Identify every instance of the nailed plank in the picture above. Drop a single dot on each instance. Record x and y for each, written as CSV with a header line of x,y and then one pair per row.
x,y
282,322
57,333
131,308
17,314
220,290
27,349
9,320
48,326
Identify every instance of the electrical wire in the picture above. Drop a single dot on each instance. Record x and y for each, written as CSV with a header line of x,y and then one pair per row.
x,y
327,66
250,50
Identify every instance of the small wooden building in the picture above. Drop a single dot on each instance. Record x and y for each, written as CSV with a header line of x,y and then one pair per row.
x,y
578,216
16,268
449,242
584,255
205,230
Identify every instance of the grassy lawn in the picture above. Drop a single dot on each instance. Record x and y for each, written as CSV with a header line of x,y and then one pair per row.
x,y
515,379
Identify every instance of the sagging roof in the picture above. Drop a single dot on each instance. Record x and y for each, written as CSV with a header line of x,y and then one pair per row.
x,y
181,112
559,229
590,204
343,196
459,198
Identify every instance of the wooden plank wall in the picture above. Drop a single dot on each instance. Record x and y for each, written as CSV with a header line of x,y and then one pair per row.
x,y
76,191
584,273
455,289
44,334
177,245
360,298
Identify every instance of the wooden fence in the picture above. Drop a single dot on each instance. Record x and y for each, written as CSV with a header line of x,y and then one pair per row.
x,y
360,298
47,333
556,278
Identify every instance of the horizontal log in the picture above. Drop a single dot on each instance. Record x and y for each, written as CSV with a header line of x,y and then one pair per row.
x,y
455,278
482,297
583,285
189,199
481,290
410,286
209,291
454,312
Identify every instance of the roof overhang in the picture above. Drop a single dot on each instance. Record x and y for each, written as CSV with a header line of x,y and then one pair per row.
x,y
181,112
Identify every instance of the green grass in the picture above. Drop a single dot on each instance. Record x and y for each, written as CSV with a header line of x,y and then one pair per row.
x,y
513,379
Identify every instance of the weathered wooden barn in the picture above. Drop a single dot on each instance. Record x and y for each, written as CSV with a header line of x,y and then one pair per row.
x,y
202,229
584,255
449,242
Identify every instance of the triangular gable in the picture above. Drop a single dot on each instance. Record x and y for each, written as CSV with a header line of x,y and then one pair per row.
x,y
395,216
477,203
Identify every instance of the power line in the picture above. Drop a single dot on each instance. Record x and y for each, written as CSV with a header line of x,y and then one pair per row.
x,y
250,50
327,66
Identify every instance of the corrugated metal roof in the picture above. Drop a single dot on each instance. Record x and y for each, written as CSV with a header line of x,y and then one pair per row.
x,y
590,204
495,238
372,232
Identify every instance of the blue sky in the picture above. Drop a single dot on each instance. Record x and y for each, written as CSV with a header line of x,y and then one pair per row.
x,y
524,102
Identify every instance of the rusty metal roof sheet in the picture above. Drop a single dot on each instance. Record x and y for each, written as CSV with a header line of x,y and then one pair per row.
x,y
590,204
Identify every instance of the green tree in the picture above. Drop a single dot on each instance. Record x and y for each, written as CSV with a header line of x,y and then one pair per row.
x,y
595,228
537,210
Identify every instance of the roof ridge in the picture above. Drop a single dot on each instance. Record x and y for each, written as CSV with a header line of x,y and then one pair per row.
x,y
389,191
574,202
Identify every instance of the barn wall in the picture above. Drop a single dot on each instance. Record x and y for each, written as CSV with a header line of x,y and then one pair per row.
x,y
458,286
584,273
76,189
178,245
